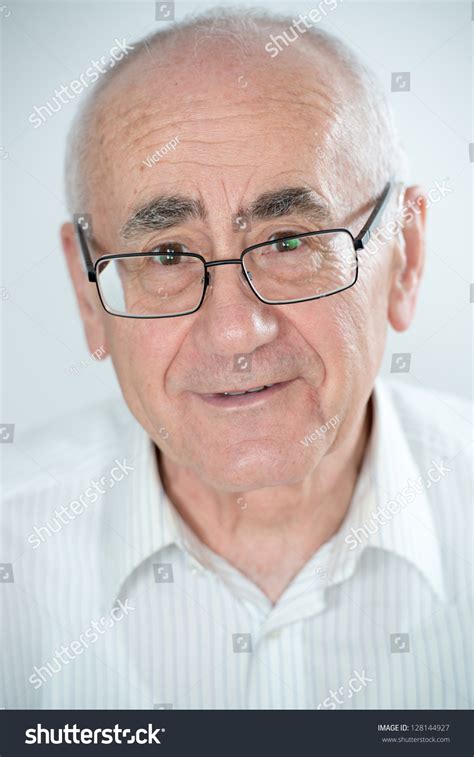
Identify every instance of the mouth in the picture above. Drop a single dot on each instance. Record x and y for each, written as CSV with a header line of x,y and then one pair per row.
x,y
246,391
235,398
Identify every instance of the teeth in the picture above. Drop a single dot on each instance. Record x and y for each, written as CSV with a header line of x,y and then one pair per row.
x,y
248,391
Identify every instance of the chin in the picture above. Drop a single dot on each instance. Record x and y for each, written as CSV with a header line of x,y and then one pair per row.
x,y
256,469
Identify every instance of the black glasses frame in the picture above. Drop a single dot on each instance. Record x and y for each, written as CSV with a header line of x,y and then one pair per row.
x,y
359,241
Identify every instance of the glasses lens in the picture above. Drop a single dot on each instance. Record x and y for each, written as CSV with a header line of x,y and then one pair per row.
x,y
302,266
151,285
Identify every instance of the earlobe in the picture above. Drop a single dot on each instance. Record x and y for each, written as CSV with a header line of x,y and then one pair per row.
x,y
408,254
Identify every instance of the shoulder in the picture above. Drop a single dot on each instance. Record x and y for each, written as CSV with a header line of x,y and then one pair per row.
x,y
69,448
437,427
433,419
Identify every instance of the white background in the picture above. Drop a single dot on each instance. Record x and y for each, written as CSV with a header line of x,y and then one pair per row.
x,y
49,44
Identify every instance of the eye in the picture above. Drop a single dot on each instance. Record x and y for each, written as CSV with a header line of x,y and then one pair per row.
x,y
286,245
168,253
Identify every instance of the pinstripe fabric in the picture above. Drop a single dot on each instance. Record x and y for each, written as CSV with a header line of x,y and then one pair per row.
x,y
382,624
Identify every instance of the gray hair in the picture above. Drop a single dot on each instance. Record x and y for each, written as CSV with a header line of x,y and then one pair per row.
x,y
242,27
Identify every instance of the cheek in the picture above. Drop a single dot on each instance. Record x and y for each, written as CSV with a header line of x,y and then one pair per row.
x,y
141,352
334,328
356,331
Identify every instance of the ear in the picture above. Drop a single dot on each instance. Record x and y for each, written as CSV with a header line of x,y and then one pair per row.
x,y
91,310
409,258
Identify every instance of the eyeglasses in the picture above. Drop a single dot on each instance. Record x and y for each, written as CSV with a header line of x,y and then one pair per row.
x,y
166,283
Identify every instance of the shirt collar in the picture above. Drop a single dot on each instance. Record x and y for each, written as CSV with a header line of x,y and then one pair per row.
x,y
389,508
139,520
136,520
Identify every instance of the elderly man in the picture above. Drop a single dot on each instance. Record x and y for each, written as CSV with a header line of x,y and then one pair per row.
x,y
263,523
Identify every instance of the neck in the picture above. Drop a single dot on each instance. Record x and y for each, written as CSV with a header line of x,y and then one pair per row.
x,y
269,534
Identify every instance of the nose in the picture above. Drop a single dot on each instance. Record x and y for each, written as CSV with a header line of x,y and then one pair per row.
x,y
232,320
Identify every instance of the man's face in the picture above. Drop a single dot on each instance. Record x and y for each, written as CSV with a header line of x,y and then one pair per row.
x,y
243,130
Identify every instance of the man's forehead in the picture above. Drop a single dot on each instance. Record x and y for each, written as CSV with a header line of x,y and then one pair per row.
x,y
156,86
273,125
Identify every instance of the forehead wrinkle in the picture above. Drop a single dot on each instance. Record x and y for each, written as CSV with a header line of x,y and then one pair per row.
x,y
133,123
129,111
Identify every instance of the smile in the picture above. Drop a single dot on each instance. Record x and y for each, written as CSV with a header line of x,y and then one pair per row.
x,y
246,398
247,391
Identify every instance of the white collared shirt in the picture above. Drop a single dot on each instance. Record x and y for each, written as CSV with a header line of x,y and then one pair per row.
x,y
109,600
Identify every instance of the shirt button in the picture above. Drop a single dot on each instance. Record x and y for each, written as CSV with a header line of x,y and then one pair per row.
x,y
197,570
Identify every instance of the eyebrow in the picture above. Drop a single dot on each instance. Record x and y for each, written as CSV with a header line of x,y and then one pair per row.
x,y
166,211
283,202
162,212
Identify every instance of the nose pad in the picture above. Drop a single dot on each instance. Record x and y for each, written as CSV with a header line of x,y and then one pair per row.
x,y
208,279
207,282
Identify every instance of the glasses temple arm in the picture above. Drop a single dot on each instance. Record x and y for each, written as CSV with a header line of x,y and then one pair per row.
x,y
85,252
364,234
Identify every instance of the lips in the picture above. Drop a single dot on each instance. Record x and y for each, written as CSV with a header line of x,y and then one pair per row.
x,y
235,399
238,392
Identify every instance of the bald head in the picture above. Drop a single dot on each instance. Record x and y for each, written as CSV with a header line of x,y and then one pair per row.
x,y
235,58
